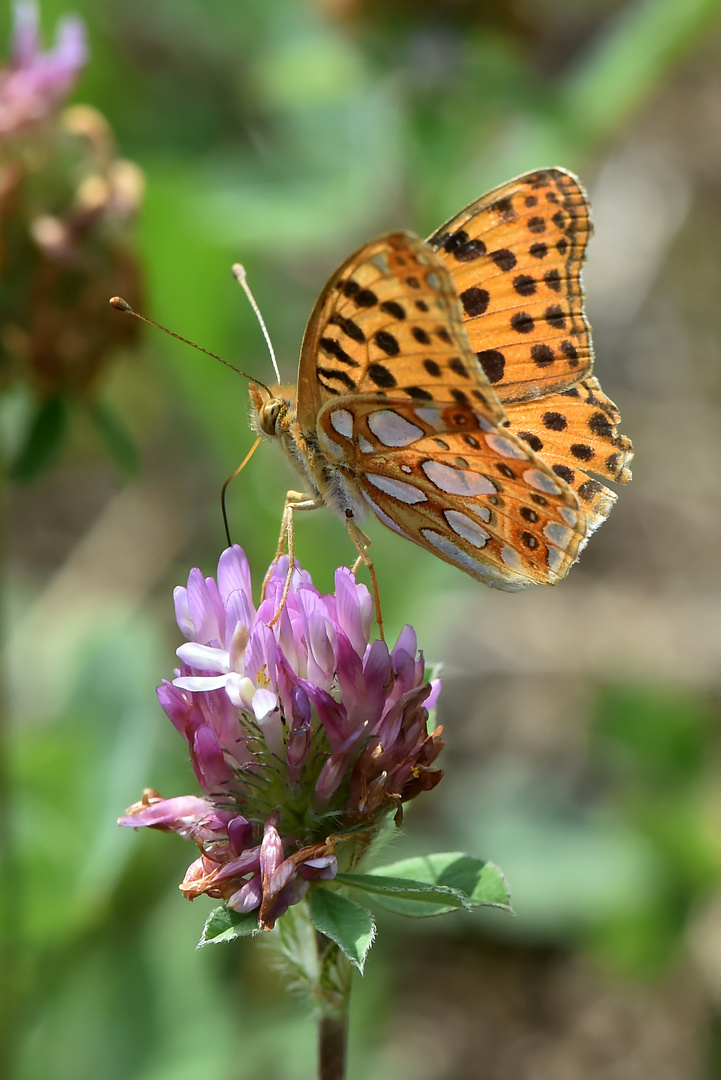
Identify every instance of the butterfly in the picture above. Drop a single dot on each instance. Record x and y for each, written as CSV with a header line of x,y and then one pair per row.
x,y
445,385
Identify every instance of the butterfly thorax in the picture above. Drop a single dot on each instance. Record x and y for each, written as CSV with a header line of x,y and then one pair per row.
x,y
273,415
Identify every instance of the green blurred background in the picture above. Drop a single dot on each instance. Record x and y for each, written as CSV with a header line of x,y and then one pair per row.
x,y
582,722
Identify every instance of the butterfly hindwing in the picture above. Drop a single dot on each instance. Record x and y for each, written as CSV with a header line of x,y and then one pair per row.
x,y
472,493
575,433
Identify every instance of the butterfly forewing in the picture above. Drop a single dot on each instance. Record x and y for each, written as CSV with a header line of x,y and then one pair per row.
x,y
515,256
388,323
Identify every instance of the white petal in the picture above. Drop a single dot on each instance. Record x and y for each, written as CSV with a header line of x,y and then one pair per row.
x,y
264,702
204,657
200,682
240,690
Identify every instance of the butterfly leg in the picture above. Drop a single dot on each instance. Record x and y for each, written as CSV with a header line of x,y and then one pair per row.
x,y
294,500
362,543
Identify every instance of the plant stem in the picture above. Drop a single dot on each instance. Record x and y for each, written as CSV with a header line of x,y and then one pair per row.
x,y
323,973
10,889
334,1004
332,1045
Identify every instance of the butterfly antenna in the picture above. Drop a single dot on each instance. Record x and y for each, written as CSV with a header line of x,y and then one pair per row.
x,y
123,305
239,275
232,476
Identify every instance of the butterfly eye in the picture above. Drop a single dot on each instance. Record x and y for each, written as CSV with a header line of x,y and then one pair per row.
x,y
268,415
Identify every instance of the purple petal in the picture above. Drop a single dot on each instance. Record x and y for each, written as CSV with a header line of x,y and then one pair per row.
x,y
173,815
320,640
234,575
331,714
323,869
333,771
240,834
71,51
206,609
271,848
175,705
25,39
260,653
248,898
432,699
354,609
211,767
182,612
281,876
293,893
407,644
246,863
218,711
299,736
363,688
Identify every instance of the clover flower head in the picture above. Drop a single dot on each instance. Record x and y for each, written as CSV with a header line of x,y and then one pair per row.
x,y
35,83
303,733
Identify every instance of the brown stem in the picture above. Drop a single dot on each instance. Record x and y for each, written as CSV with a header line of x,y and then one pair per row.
x,y
332,1045
333,999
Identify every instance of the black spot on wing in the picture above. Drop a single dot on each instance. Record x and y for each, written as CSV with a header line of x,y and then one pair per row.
x,y
393,308
542,355
334,348
387,342
564,472
493,363
336,374
381,376
475,301
504,259
600,425
533,440
349,328
522,322
366,298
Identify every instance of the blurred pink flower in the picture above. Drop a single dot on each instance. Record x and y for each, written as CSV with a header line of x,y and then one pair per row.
x,y
303,734
34,84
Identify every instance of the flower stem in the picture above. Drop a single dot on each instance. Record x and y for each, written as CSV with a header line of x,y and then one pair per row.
x,y
334,1000
322,973
332,1044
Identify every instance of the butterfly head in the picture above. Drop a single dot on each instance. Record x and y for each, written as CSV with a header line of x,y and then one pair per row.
x,y
272,410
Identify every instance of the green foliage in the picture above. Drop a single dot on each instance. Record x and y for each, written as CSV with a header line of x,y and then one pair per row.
x,y
119,445
434,884
224,925
43,440
346,923
660,749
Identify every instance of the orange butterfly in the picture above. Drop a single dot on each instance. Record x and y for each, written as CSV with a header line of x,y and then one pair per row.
x,y
446,386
